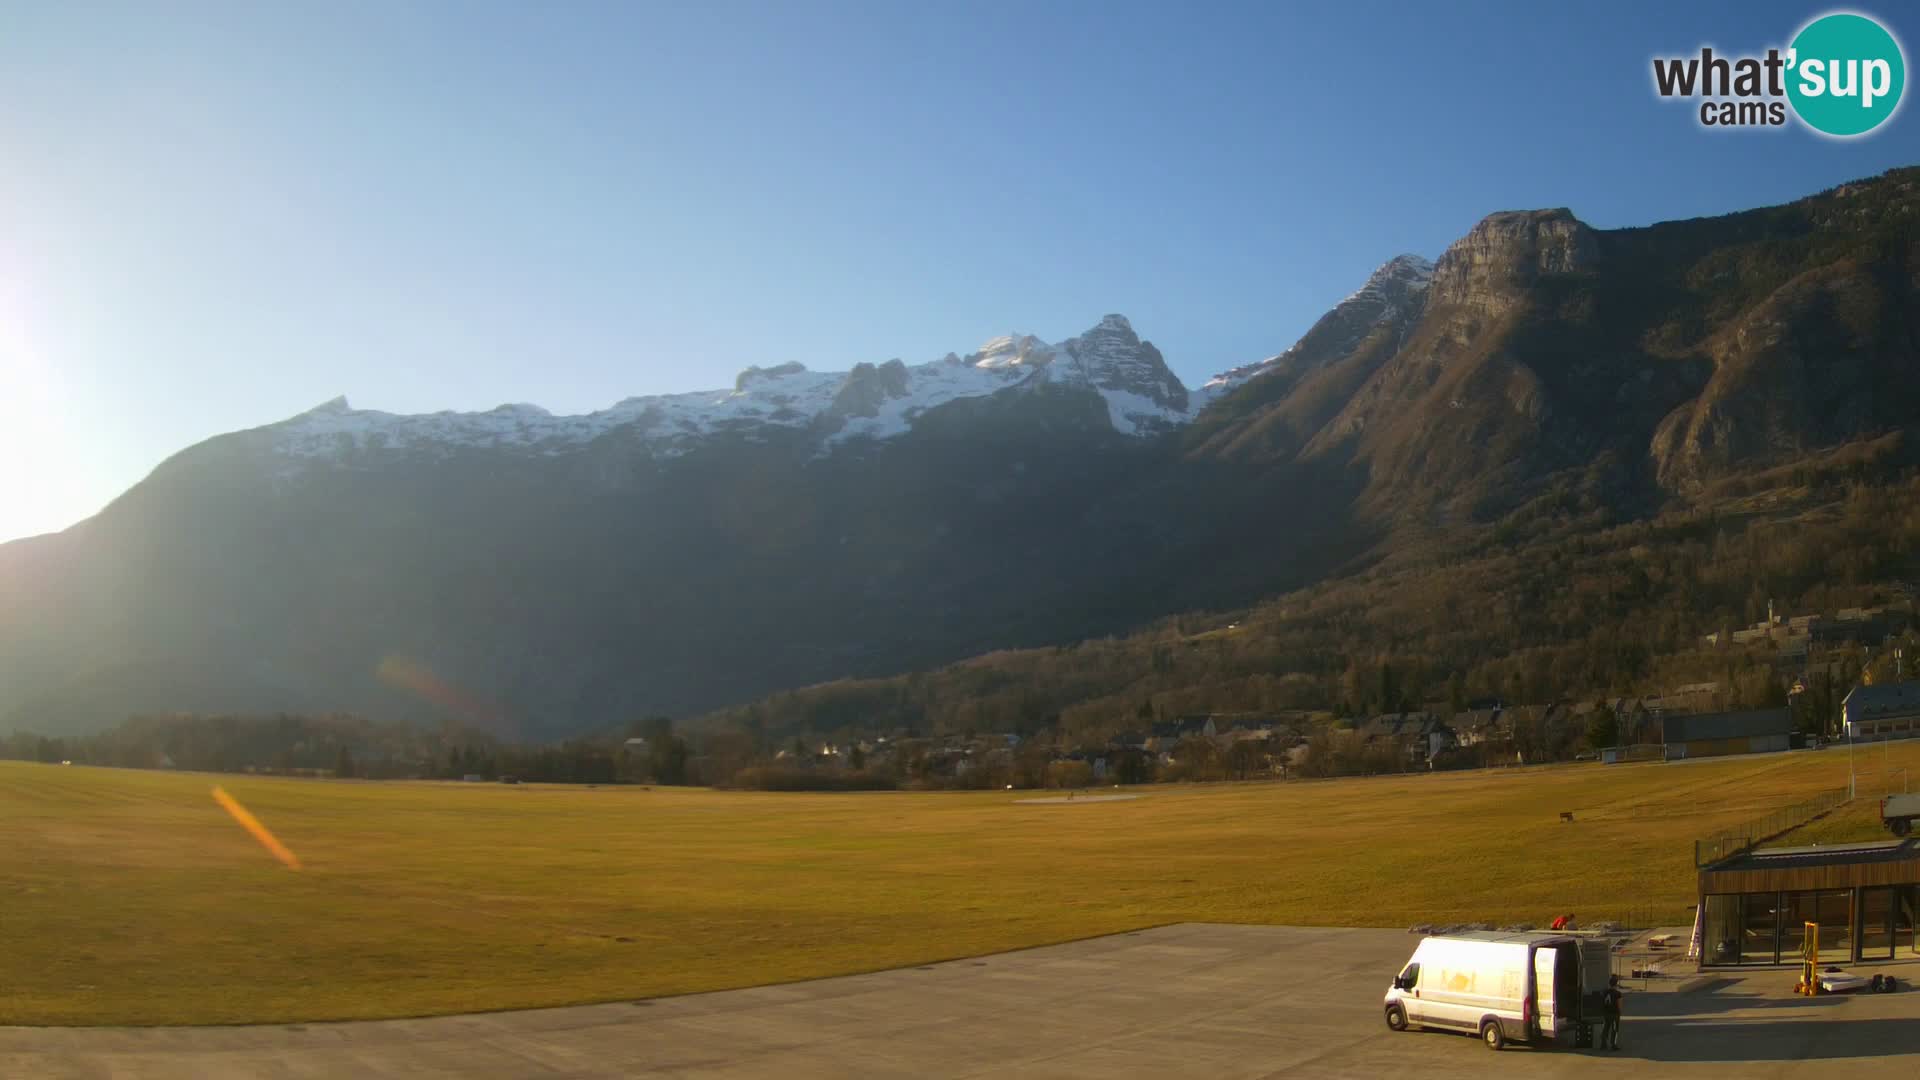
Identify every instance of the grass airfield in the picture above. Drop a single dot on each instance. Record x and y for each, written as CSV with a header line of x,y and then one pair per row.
x,y
132,898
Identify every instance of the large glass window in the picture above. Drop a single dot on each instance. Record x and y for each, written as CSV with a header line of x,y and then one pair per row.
x,y
1832,909
1721,933
1876,924
1758,928
1768,928
1834,913
1797,909
1905,899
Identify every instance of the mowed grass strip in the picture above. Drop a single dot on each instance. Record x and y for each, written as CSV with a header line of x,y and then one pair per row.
x,y
132,898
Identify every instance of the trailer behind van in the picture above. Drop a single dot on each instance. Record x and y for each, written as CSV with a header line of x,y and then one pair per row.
x,y
1898,813
1504,987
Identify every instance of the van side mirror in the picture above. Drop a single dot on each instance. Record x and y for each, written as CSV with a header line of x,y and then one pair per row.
x,y
1399,982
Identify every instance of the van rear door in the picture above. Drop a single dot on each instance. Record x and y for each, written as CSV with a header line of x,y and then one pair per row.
x,y
1596,964
1545,964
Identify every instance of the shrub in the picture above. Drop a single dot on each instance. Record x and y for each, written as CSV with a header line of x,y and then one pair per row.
x,y
1069,774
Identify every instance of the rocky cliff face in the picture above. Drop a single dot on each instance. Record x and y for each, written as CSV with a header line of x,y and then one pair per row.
x,y
1508,252
1648,360
1821,356
868,387
1456,401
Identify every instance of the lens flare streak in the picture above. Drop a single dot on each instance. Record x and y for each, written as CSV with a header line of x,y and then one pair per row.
x,y
252,825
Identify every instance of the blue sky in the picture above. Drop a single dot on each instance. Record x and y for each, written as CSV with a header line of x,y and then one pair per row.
x,y
213,216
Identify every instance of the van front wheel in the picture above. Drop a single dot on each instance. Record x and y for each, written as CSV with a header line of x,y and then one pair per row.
x,y
1491,1034
1396,1018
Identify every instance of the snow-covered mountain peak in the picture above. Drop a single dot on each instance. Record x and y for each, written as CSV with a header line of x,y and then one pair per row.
x,y
1012,350
1111,338
1400,274
871,401
1393,293
876,401
1142,393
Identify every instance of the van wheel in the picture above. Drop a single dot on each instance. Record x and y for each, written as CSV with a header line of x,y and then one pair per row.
x,y
1900,826
1491,1034
1396,1018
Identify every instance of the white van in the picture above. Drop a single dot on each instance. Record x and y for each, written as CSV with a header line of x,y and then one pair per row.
x,y
1503,987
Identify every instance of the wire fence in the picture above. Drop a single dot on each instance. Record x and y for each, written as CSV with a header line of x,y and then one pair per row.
x,y
1724,845
1877,782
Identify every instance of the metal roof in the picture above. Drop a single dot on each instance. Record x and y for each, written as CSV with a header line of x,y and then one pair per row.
x,y
1821,855
1870,701
1507,937
1726,725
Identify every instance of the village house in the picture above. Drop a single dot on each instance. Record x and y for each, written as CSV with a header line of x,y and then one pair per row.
x,y
1479,727
1244,729
1538,732
1633,721
1421,735
1638,724
1887,711
1095,760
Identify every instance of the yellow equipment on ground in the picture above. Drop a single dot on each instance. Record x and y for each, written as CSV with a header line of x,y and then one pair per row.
x,y
1810,969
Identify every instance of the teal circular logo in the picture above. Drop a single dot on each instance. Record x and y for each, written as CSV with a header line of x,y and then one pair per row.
x,y
1845,76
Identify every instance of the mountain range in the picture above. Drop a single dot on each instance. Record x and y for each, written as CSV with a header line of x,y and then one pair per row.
x,y
541,574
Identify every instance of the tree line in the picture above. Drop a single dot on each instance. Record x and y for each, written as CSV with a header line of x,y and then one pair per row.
x,y
347,746
1556,602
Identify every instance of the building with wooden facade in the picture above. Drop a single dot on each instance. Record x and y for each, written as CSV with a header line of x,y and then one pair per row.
x,y
1754,906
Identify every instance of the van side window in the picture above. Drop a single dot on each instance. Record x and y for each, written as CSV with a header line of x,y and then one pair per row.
x,y
1410,978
